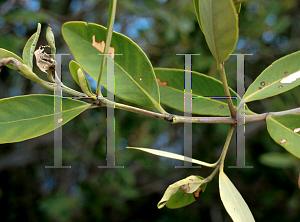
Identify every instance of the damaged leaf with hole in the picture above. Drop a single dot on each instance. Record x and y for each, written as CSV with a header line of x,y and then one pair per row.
x,y
183,192
291,78
284,130
296,130
129,66
101,45
281,76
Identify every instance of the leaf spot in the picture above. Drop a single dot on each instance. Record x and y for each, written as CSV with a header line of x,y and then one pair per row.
x,y
162,83
197,192
263,83
101,45
271,65
141,79
282,141
185,194
269,83
296,130
285,73
176,202
259,88
221,107
280,86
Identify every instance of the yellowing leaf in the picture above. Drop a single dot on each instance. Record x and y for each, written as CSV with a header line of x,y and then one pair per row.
x,y
233,200
172,156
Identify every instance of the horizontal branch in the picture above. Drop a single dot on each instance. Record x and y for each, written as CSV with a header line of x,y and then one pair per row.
x,y
181,119
262,117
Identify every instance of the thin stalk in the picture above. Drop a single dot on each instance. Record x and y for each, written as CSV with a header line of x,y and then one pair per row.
x,y
211,176
110,25
220,162
181,119
221,70
51,86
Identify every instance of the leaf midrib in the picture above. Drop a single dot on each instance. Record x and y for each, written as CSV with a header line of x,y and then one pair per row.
x,y
213,34
283,126
261,90
39,117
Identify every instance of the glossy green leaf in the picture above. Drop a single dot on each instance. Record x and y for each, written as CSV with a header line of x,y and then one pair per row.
x,y
171,86
220,27
182,192
74,66
29,48
197,9
278,160
272,80
29,116
285,130
135,80
233,201
170,155
5,54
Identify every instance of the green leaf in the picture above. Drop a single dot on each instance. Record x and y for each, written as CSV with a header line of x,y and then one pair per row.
x,y
171,155
182,192
51,40
269,82
30,47
233,201
285,130
135,80
5,54
74,66
171,86
278,160
180,199
29,116
197,9
220,27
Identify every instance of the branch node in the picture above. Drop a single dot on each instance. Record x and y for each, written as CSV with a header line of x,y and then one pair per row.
x,y
170,118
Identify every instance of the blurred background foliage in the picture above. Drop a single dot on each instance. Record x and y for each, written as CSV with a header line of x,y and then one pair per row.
x,y
162,28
